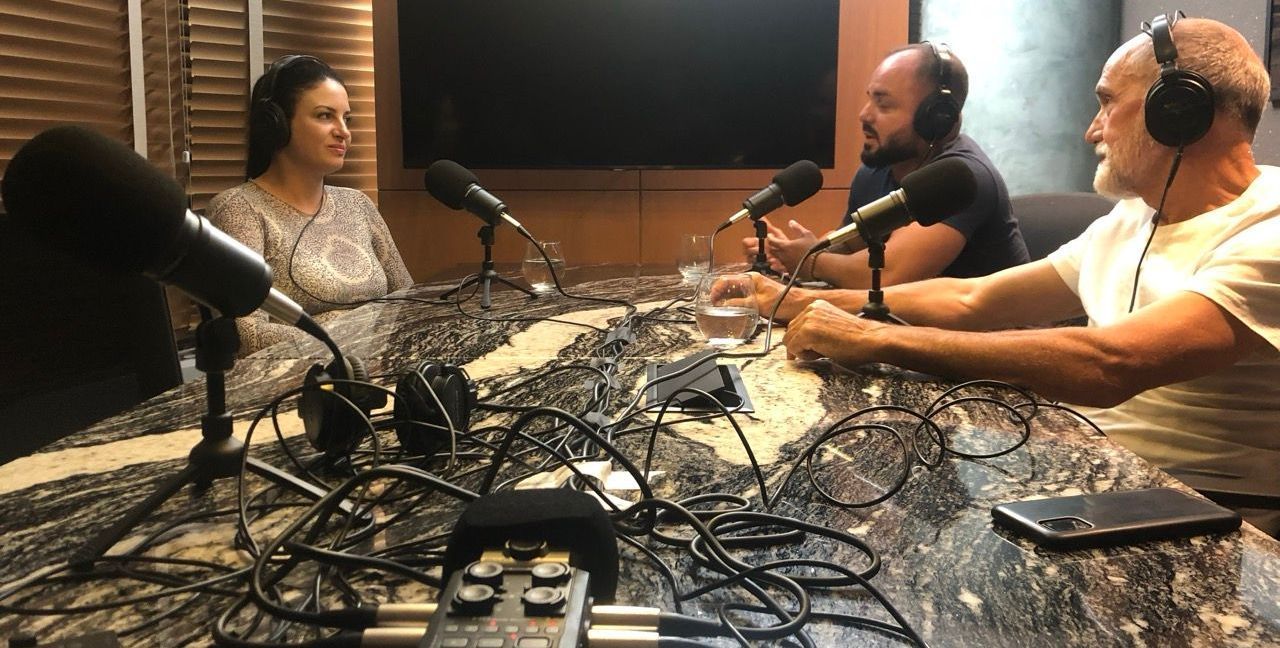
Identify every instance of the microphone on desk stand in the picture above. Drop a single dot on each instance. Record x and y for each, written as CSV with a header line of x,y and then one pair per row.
x,y
96,199
791,186
458,188
928,196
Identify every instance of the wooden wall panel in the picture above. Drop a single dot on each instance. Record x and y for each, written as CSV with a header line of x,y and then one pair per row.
x,y
593,227
617,216
669,214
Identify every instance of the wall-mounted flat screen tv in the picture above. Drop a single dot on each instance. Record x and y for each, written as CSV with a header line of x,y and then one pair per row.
x,y
687,84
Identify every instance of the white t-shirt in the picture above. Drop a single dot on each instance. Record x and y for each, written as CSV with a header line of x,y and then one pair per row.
x,y
1222,429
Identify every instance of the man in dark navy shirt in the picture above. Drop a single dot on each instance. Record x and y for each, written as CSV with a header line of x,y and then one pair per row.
x,y
911,118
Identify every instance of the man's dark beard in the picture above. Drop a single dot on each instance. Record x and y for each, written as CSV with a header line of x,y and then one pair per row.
x,y
889,153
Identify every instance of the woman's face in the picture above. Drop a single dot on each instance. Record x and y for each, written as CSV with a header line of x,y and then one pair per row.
x,y
319,133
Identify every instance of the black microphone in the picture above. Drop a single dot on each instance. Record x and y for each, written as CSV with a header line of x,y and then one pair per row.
x,y
458,188
91,196
791,186
928,195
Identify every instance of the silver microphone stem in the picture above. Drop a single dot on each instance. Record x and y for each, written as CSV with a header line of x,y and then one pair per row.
x,y
279,306
513,222
742,213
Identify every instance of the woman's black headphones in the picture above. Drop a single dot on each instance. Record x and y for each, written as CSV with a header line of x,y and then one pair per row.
x,y
439,395
1179,105
939,112
272,120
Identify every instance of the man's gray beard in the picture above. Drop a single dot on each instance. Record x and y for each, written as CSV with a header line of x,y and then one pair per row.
x,y
1107,184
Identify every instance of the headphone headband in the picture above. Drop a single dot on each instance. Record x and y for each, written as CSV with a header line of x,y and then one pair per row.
x,y
1160,29
942,57
279,66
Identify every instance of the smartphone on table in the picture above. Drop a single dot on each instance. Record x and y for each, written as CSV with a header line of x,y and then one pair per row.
x,y
1114,518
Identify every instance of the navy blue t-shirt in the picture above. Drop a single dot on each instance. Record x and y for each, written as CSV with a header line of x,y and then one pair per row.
x,y
992,239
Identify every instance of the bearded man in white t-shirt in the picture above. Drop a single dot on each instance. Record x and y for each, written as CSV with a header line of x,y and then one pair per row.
x,y
1181,284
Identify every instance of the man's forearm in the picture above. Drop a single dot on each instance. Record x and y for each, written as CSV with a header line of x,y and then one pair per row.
x,y
841,270
933,302
1070,364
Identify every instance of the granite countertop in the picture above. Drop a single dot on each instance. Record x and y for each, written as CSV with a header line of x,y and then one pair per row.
x,y
955,578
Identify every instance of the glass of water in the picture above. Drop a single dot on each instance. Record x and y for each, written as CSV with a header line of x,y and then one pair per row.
x,y
535,268
694,257
725,308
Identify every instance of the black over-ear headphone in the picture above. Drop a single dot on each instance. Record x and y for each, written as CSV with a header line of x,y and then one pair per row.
x,y
271,118
939,112
1179,106
332,424
427,394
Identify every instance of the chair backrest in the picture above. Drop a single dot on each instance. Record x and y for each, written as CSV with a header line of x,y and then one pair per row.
x,y
1048,220
76,345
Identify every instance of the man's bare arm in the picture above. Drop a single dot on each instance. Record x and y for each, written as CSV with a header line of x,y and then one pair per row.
x,y
1178,338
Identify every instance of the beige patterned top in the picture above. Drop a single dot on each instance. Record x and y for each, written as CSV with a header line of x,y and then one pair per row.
x,y
344,254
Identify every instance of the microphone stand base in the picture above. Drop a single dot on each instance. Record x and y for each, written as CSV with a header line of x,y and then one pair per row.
x,y
217,455
487,274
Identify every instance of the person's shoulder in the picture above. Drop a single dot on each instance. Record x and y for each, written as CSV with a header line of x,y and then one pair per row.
x,y
1266,187
990,197
227,198
348,196
967,150
345,192
1256,213
869,178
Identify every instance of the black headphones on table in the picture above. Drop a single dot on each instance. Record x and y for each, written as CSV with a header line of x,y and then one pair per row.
x,y
436,393
431,400
1179,105
269,117
939,112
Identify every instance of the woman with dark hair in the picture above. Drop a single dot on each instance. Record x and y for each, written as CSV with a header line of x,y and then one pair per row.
x,y
327,246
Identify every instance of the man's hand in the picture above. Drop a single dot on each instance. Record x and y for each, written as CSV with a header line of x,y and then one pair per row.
x,y
751,244
821,330
767,292
785,251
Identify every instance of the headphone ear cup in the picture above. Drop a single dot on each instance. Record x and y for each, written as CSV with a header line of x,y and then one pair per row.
x,y
936,116
469,396
414,406
332,425
452,390
272,123
364,395
1179,108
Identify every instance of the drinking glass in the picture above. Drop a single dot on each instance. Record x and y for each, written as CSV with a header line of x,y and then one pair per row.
x,y
725,308
535,268
694,258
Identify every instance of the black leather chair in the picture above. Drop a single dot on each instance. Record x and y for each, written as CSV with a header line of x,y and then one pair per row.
x,y
1048,220
76,345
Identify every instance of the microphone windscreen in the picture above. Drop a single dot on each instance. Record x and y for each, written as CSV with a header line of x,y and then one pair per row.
x,y
448,181
798,182
566,519
84,193
937,191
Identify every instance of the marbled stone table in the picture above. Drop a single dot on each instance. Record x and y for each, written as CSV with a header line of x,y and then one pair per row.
x,y
957,579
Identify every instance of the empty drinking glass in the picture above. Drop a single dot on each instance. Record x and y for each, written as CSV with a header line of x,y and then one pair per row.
x,y
725,308
694,258
535,268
